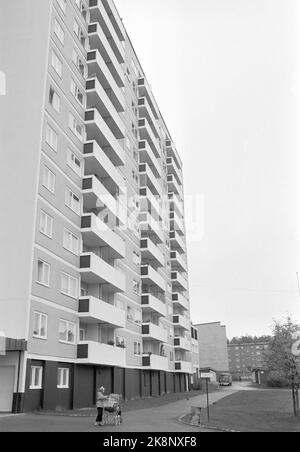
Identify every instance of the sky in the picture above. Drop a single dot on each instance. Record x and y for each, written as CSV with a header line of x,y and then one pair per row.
x,y
225,74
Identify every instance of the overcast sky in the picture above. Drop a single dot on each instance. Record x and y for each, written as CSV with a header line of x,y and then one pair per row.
x,y
226,77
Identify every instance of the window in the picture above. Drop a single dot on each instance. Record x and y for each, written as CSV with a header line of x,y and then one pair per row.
x,y
136,258
69,285
67,332
80,34
82,9
74,162
51,138
43,276
79,96
72,201
63,378
76,127
62,5
136,287
79,63
133,315
120,341
82,335
59,31
56,64
40,325
71,242
36,377
54,99
137,348
46,224
49,180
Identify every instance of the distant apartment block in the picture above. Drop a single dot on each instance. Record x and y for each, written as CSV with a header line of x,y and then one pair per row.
x,y
195,353
244,358
94,270
212,339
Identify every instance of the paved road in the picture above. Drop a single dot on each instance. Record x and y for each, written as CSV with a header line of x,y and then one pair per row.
x,y
158,419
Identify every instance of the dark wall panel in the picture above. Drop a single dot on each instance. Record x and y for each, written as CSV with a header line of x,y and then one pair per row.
x,y
84,387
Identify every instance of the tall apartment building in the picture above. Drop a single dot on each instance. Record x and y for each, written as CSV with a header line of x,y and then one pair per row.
x,y
93,268
244,358
212,338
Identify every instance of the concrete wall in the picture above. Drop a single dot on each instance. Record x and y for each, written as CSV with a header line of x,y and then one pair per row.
x,y
212,339
20,137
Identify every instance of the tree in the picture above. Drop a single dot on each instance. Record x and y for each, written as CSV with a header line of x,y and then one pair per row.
x,y
280,360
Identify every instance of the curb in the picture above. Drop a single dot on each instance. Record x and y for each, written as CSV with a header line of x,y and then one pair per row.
x,y
206,427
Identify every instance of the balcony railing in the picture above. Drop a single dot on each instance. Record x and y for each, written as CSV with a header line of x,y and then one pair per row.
x,y
152,278
94,353
145,91
150,252
95,270
97,129
149,203
145,111
152,304
182,343
172,152
177,242
177,262
151,227
183,367
176,223
173,169
98,68
179,282
93,311
95,234
99,41
156,362
180,301
147,178
147,156
98,97
114,18
99,14
154,333
147,134
182,322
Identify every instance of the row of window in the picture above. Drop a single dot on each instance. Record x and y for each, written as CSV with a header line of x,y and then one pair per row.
x,y
36,378
67,329
77,30
70,241
69,284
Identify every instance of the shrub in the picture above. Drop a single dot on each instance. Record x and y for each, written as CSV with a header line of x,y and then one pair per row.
x,y
277,380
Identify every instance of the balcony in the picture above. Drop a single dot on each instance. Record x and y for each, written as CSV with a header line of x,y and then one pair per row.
x,y
147,156
176,205
97,162
151,277
172,152
145,111
98,130
95,234
150,252
96,196
177,242
95,270
147,134
179,282
114,18
100,354
151,227
99,41
149,203
93,311
184,367
181,343
98,68
145,91
176,223
154,333
148,179
99,14
182,322
174,187
155,362
98,98
173,169
177,262
180,302
152,304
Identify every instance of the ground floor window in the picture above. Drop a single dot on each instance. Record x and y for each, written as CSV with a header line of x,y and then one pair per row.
x,y
36,377
63,378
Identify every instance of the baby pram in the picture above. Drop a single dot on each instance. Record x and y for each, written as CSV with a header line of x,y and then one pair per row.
x,y
112,414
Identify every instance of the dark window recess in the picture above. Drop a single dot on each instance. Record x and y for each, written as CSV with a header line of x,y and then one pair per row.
x,y
146,361
143,192
90,84
142,122
177,366
144,243
141,101
173,255
141,82
84,305
89,115
175,297
85,261
175,319
82,351
142,168
88,148
87,184
144,271
142,144
86,222
92,28
145,299
93,3
91,55
176,341
145,329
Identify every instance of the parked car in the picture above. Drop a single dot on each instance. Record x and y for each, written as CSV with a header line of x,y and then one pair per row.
x,y
225,380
